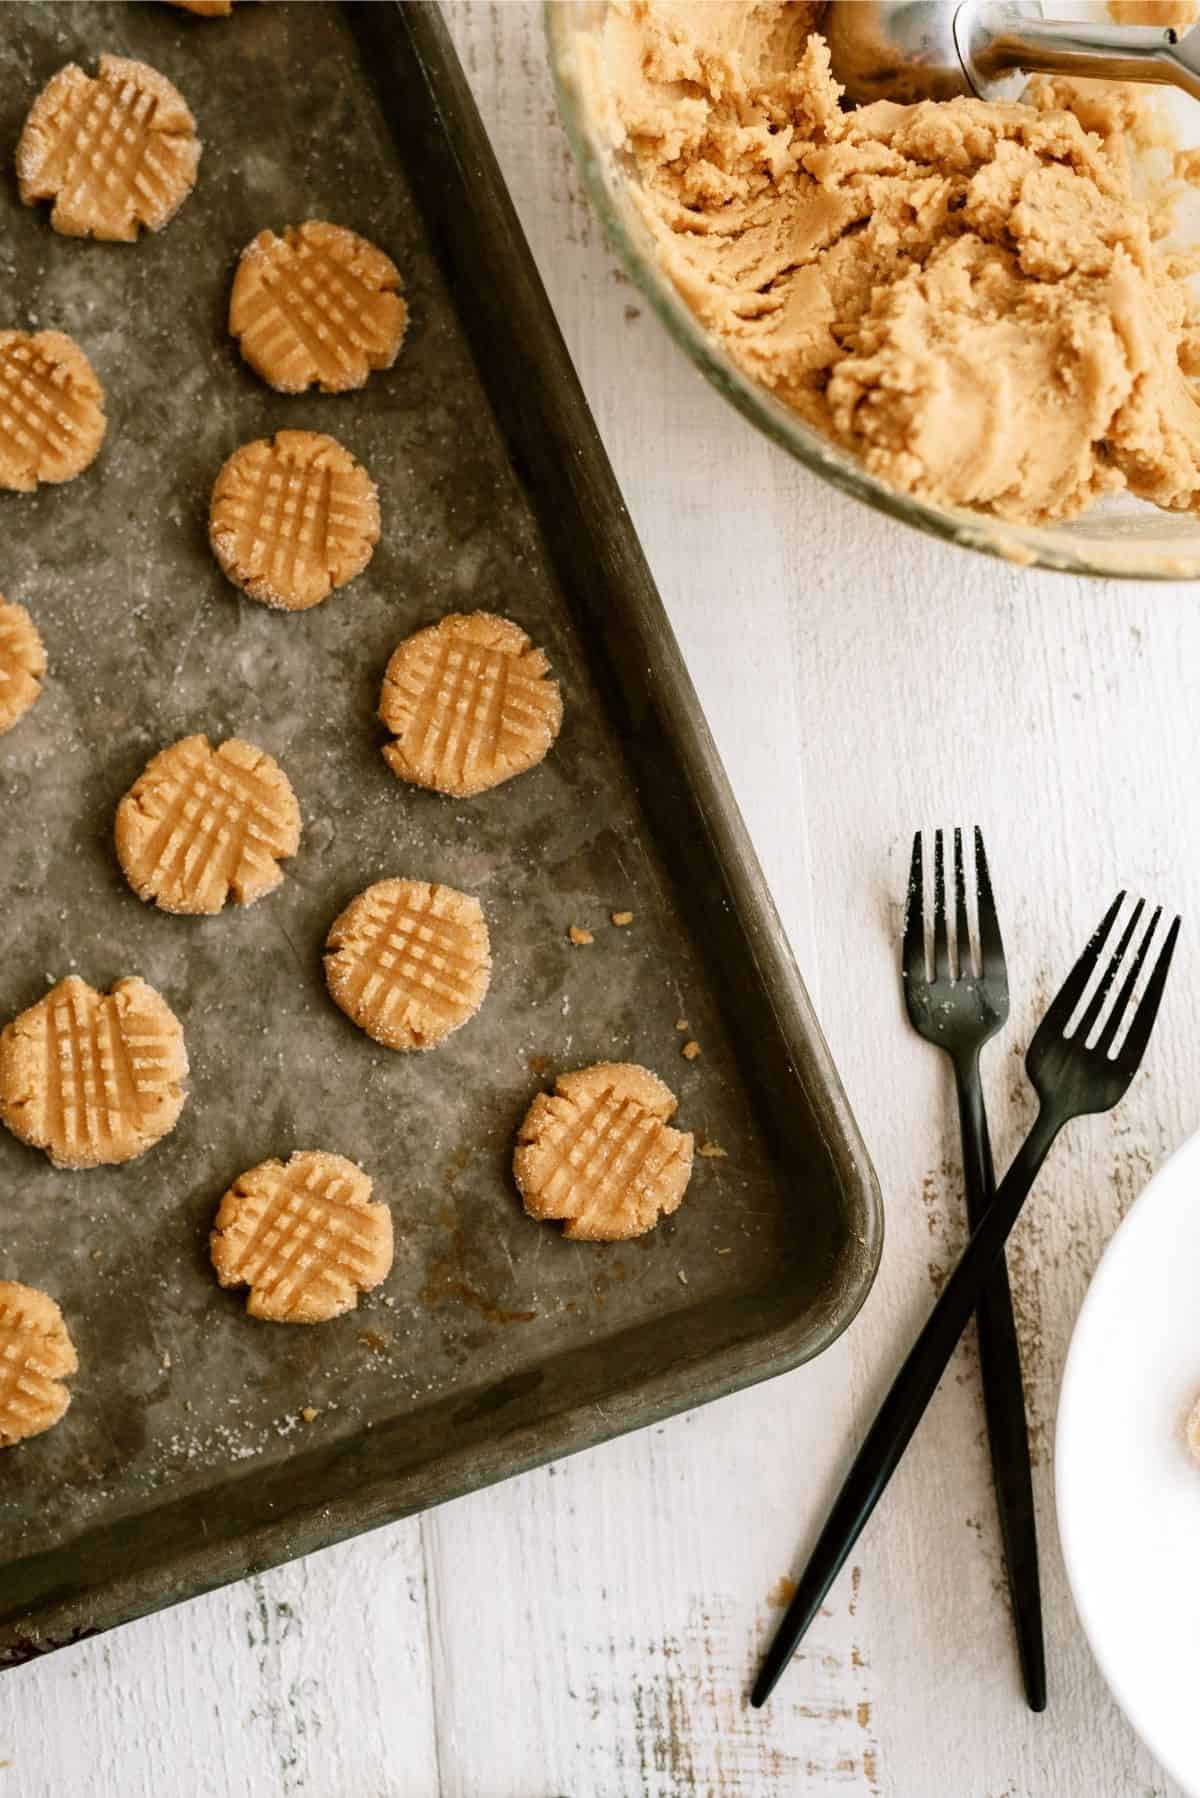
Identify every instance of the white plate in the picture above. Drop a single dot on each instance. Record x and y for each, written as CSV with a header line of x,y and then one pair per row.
x,y
1127,1491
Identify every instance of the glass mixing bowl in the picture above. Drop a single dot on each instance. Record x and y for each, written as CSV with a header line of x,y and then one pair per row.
x,y
1122,537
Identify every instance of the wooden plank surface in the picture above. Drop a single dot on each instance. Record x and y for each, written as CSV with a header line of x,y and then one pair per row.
x,y
590,1628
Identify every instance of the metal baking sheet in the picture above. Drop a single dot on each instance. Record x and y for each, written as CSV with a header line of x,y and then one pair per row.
x,y
183,1461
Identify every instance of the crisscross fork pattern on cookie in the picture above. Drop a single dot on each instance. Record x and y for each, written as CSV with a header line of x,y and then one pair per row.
x,y
299,1242
288,519
405,954
35,1353
103,1073
106,148
22,663
312,296
39,415
599,1152
471,706
221,826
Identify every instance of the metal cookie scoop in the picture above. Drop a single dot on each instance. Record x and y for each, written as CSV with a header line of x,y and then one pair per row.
x,y
936,49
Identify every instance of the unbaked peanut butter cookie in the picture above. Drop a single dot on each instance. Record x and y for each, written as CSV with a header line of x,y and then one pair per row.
x,y
304,1235
317,306
36,1355
93,1078
409,962
51,410
115,152
22,663
293,516
469,705
598,1153
202,825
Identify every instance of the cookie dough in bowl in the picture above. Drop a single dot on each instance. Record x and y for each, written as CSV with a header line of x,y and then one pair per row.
x,y
974,315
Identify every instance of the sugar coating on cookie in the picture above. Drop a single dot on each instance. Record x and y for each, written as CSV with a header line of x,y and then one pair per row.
x,y
22,663
51,410
115,152
93,1078
36,1355
469,704
293,516
409,962
599,1153
304,1235
318,306
201,825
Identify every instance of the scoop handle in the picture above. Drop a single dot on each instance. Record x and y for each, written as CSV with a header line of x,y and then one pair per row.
x,y
1000,42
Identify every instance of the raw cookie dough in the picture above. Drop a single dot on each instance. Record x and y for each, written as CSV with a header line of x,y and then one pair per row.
x,y
1175,13
599,1153
93,1078
966,296
292,517
304,1235
202,825
469,705
114,152
316,306
22,663
51,410
36,1354
409,962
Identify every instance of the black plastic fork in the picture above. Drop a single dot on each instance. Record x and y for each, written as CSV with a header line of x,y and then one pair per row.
x,y
1073,1072
958,1008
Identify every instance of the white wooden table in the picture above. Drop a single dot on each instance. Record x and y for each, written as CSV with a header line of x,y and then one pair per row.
x,y
588,1631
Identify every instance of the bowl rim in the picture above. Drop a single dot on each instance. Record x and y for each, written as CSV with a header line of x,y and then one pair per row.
x,y
1055,549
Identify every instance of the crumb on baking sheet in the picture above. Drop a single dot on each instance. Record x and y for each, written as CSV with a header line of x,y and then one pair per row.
x,y
712,1151
690,1050
1192,1431
621,918
682,1025
580,937
310,1414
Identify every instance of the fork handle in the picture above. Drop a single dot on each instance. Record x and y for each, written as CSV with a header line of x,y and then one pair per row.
x,y
1004,1397
906,1402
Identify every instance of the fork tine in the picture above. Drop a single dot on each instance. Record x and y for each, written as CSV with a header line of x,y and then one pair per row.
x,y
991,946
914,917
1071,992
1134,1046
962,929
941,938
1088,1021
1107,1036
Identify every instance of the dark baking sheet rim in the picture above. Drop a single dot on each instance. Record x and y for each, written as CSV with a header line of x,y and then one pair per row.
x,y
119,1571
